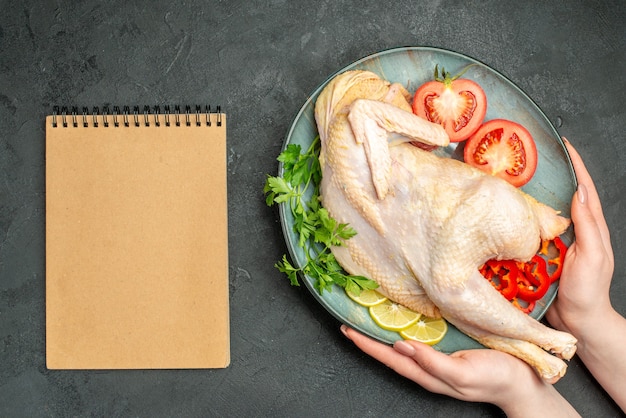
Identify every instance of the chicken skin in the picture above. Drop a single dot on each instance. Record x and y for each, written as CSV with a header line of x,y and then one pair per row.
x,y
425,224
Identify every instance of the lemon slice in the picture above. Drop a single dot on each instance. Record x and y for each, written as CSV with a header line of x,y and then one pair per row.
x,y
426,330
392,316
367,297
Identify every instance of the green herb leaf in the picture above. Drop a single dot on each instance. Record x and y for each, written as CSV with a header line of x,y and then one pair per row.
x,y
278,189
317,231
285,266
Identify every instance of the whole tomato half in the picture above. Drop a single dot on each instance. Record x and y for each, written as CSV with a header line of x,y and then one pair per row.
x,y
457,104
503,148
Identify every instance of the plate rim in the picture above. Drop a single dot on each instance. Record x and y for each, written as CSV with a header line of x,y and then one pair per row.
x,y
283,207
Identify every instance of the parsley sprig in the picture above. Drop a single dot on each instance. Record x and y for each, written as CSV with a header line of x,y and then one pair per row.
x,y
317,231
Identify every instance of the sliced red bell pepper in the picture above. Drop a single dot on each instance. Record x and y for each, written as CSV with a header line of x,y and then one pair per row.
x,y
508,279
558,260
502,275
524,306
486,271
525,283
550,247
536,280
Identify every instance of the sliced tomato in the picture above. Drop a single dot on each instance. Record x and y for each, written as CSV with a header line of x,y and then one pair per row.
x,y
457,104
503,148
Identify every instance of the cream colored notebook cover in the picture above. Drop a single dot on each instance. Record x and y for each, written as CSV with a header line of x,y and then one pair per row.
x,y
136,241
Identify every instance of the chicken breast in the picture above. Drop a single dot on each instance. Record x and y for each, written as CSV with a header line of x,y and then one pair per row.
x,y
425,224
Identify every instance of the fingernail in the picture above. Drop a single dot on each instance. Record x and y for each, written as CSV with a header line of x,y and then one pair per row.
x,y
344,331
564,139
404,348
582,194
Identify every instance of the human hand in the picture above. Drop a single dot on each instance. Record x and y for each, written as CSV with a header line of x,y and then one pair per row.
x,y
583,297
583,306
480,375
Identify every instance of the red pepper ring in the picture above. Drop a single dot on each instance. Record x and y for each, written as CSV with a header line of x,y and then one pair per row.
x,y
558,260
537,280
523,305
508,279
503,275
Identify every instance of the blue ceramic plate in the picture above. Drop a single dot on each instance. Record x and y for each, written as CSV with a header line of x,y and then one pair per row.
x,y
553,183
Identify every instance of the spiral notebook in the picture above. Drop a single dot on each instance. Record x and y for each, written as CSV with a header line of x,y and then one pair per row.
x,y
136,239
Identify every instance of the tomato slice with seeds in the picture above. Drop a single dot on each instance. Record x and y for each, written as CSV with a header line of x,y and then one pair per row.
x,y
457,104
503,148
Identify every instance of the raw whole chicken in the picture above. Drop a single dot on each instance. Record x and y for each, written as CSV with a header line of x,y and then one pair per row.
x,y
425,224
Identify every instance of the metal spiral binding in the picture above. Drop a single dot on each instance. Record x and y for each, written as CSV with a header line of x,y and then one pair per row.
x,y
146,117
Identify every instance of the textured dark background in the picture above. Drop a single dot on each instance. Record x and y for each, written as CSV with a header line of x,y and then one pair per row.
x,y
259,60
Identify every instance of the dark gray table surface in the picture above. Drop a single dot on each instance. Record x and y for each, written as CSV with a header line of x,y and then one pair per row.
x,y
260,60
